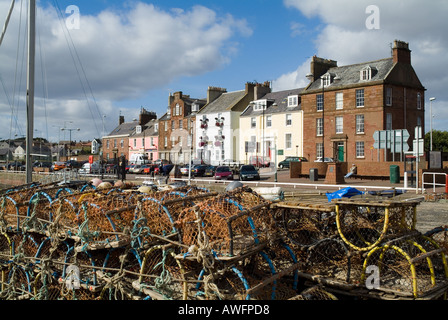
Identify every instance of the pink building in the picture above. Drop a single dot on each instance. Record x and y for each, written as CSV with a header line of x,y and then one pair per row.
x,y
145,140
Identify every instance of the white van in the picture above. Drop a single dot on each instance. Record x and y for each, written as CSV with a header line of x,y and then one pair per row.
x,y
138,158
90,168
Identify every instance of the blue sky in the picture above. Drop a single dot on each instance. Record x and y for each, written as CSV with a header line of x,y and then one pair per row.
x,y
134,53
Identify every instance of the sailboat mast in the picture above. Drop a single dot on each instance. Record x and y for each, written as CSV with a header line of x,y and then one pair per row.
x,y
30,89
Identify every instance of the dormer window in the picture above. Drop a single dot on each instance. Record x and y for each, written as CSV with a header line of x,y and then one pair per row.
x,y
326,80
194,107
138,129
367,73
259,105
293,101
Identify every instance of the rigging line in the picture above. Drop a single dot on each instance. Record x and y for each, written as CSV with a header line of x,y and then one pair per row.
x,y
73,47
7,22
16,85
44,81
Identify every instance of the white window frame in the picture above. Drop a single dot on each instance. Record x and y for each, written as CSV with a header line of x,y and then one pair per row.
x,y
268,121
319,127
253,122
360,124
360,149
419,101
319,149
288,141
320,102
339,100
288,119
339,124
293,101
360,97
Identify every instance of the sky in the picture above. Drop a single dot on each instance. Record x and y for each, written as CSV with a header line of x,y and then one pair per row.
x,y
99,59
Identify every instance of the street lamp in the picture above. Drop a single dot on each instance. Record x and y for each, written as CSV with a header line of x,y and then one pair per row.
x,y
430,122
69,146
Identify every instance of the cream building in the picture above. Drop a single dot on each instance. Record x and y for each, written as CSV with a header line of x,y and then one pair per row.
x,y
272,125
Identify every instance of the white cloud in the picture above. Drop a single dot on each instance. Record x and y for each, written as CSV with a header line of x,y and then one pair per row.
x,y
346,39
124,53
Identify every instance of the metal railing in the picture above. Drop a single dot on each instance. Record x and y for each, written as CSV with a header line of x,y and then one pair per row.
x,y
433,182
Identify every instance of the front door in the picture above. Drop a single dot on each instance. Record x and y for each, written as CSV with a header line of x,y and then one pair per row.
x,y
340,149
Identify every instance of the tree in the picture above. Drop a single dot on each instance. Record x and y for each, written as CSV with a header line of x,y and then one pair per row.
x,y
439,141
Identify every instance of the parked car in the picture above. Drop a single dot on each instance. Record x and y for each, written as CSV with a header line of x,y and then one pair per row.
x,y
90,168
249,172
16,166
73,164
223,173
326,159
199,170
138,168
184,170
148,168
286,163
110,168
259,161
58,166
210,171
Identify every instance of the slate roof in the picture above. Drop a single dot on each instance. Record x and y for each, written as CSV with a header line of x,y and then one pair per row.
x,y
225,102
350,75
280,98
126,128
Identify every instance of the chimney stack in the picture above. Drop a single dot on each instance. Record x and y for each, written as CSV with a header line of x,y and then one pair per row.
x,y
319,67
214,92
146,116
401,52
120,120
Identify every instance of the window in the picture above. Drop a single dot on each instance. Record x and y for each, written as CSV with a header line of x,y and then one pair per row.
x,y
419,101
194,107
135,143
388,97
156,127
253,122
107,144
143,142
320,102
320,127
359,123
293,101
360,98
288,119
177,112
360,149
319,150
326,79
166,125
166,142
268,121
172,124
181,124
419,121
339,101
115,143
339,124
288,141
173,141
189,141
389,121
152,141
368,73
138,129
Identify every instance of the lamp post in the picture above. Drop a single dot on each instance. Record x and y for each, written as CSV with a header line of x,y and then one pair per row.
x,y
69,146
430,122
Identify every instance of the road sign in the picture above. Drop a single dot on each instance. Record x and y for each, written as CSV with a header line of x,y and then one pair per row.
x,y
394,140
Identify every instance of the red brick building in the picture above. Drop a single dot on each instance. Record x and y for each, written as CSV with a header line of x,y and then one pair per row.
x,y
176,128
344,106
